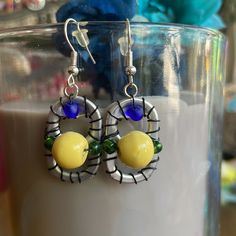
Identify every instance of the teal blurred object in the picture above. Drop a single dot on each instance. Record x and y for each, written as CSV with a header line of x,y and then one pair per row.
x,y
194,12
232,105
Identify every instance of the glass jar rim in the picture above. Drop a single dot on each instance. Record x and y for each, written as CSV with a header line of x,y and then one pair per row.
x,y
114,24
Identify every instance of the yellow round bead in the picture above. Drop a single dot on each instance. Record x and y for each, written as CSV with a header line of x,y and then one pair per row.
x,y
70,150
136,149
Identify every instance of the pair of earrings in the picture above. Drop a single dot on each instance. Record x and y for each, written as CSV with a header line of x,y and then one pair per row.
x,y
75,158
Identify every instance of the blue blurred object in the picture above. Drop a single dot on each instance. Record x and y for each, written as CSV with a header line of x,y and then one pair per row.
x,y
93,10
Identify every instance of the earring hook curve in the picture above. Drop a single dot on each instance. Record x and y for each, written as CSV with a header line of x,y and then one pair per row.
x,y
82,37
66,32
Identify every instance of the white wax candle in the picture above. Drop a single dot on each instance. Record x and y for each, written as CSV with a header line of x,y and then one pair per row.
x,y
170,203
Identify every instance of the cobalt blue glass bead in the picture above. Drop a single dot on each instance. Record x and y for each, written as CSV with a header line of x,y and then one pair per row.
x,y
71,109
134,112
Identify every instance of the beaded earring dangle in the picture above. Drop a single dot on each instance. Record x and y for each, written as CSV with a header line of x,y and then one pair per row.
x,y
71,156
133,157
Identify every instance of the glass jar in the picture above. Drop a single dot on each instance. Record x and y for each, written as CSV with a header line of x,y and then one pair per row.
x,y
180,70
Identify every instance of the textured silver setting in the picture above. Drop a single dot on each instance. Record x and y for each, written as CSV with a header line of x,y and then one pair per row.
x,y
116,114
56,114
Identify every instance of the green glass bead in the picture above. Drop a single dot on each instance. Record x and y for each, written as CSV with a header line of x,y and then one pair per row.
x,y
157,146
95,148
109,146
48,142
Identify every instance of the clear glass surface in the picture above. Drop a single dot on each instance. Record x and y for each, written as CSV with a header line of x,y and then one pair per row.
x,y
180,70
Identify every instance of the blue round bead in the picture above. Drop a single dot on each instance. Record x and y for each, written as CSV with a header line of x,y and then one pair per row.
x,y
71,109
134,112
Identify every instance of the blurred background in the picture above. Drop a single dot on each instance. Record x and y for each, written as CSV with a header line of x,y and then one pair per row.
x,y
16,13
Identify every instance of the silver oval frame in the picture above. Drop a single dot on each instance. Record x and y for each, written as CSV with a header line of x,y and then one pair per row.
x,y
56,114
115,114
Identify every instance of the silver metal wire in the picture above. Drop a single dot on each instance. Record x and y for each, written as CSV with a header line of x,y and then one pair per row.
x,y
128,28
86,44
73,69
130,70
66,32
131,86
72,89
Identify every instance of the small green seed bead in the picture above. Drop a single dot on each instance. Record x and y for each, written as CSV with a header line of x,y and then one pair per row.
x,y
95,148
157,146
48,142
109,146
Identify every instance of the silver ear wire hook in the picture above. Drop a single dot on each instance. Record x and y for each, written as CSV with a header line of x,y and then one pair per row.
x,y
66,32
73,70
80,37
130,69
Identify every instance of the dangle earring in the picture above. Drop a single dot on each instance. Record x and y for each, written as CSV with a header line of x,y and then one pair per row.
x,y
133,157
71,156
